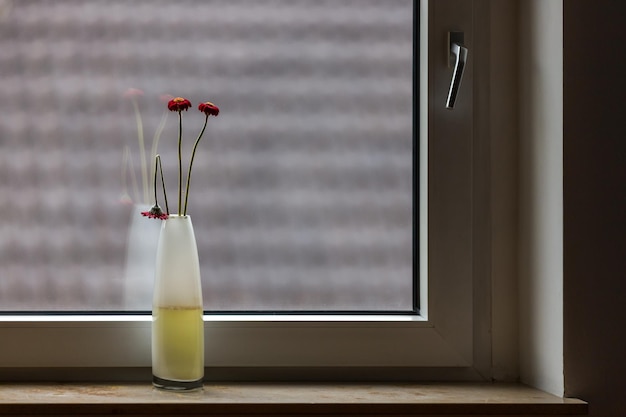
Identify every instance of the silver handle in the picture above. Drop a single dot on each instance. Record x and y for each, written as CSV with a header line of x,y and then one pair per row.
x,y
460,57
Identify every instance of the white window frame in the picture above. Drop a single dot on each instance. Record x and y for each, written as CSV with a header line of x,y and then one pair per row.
x,y
442,341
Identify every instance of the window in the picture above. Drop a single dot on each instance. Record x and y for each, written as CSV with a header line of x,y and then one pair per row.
x,y
439,335
302,193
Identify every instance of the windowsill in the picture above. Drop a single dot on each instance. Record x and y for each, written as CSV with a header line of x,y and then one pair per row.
x,y
408,399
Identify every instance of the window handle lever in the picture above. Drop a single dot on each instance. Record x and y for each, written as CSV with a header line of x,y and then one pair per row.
x,y
459,52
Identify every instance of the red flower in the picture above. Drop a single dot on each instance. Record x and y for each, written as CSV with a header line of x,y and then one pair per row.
x,y
178,104
209,108
155,213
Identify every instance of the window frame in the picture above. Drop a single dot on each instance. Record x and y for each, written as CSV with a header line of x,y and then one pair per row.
x,y
443,341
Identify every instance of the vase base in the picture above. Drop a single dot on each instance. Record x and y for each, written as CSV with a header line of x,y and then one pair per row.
x,y
169,385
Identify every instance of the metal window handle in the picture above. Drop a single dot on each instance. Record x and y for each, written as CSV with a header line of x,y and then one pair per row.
x,y
460,57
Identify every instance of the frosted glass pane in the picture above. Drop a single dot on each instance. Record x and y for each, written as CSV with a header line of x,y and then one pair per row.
x,y
302,187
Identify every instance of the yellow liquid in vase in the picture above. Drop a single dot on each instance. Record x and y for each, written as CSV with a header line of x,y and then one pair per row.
x,y
178,343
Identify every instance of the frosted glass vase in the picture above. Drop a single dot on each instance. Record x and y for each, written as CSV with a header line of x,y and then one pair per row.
x,y
177,326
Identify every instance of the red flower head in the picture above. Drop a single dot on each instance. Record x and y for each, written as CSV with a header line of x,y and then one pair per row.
x,y
178,104
209,108
155,213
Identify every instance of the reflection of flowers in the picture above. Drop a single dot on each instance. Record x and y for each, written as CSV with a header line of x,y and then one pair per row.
x,y
178,104
133,94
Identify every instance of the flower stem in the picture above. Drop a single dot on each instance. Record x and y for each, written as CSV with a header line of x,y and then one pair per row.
x,y
193,154
180,160
156,164
160,167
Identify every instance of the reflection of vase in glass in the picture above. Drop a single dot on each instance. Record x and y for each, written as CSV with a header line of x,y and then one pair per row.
x,y
141,247
177,326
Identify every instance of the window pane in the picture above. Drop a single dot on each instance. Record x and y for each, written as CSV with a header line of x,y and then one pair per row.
x,y
302,186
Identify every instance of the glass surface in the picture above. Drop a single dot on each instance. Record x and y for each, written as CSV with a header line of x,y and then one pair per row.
x,y
302,186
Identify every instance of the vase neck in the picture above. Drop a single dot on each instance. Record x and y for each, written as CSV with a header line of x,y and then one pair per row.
x,y
178,217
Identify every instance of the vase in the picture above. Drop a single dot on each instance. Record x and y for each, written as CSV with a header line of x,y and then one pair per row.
x,y
177,326
139,270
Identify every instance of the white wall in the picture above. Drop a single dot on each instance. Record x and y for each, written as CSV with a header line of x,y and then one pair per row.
x,y
541,194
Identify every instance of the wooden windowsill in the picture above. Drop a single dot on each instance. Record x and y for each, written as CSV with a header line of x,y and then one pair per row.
x,y
285,399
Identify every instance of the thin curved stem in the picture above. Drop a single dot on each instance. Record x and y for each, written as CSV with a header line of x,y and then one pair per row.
x,y
160,167
193,154
156,164
180,160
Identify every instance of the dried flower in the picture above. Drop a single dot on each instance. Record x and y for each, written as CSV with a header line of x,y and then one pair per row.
x,y
209,108
155,213
178,104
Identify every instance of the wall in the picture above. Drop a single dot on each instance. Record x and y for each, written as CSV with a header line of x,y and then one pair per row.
x,y
540,198
595,204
